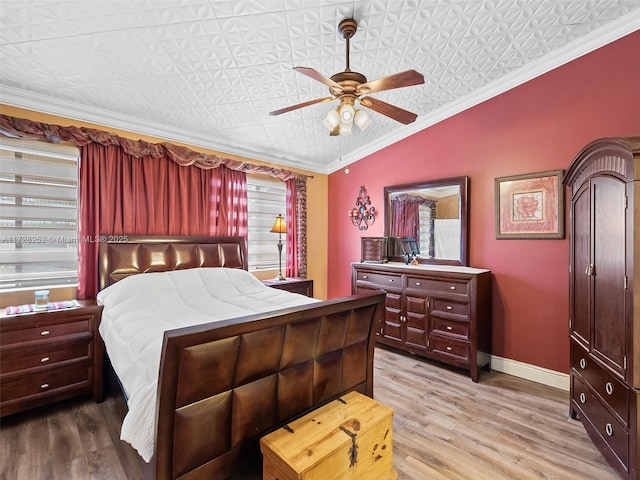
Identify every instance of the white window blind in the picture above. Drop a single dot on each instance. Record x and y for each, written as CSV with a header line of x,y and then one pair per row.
x,y
267,198
38,214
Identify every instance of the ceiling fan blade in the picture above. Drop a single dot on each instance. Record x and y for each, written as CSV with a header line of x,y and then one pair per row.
x,y
300,105
335,87
391,111
397,80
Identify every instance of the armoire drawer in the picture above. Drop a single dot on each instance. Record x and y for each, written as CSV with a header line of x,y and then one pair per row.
x,y
381,279
441,286
449,348
445,326
607,426
613,392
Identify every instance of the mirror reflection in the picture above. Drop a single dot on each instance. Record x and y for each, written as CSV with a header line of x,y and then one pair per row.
x,y
429,220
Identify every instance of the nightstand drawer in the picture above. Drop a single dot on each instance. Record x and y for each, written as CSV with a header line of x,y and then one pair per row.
x,y
46,331
16,359
303,286
47,381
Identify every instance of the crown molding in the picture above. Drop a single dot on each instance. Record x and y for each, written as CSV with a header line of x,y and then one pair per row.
x,y
54,106
576,49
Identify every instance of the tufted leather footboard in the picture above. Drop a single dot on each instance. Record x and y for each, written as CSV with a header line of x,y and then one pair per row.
x,y
224,385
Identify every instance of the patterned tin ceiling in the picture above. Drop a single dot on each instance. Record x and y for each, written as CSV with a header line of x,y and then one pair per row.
x,y
207,72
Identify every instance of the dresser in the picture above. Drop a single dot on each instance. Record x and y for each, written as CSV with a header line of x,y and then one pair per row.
x,y
604,328
440,312
47,356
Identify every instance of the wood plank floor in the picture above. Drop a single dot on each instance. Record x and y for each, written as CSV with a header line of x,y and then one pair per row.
x,y
445,427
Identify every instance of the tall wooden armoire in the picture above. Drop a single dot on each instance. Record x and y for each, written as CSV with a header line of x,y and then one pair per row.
x,y
604,222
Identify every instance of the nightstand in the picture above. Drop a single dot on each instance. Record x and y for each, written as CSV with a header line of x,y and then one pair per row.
x,y
50,355
304,286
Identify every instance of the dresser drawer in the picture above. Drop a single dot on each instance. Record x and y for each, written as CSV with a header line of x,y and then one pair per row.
x,y
382,279
46,381
606,385
445,326
46,331
602,421
16,359
438,286
449,348
440,305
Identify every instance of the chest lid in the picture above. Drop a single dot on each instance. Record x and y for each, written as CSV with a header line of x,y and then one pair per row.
x,y
327,430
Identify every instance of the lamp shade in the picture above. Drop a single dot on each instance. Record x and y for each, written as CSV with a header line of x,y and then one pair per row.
x,y
346,113
332,120
362,119
279,226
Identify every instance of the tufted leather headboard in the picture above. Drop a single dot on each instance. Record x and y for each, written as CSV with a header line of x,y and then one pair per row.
x,y
125,255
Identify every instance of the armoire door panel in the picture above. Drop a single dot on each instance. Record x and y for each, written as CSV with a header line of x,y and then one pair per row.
x,y
581,260
608,256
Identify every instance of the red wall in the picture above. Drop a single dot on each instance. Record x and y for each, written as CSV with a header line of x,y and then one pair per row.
x,y
535,127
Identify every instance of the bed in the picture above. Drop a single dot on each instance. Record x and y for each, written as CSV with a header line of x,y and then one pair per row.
x,y
221,381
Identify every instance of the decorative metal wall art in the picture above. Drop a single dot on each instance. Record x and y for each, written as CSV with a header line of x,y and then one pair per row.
x,y
363,215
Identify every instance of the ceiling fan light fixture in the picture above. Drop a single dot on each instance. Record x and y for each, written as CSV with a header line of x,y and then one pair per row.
x,y
347,113
332,120
362,120
345,128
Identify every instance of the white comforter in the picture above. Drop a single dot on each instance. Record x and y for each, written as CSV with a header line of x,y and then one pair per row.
x,y
140,308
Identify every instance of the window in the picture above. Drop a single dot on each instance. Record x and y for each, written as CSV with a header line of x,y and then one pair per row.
x,y
267,198
38,214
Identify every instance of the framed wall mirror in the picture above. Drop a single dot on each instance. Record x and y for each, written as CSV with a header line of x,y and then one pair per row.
x,y
429,219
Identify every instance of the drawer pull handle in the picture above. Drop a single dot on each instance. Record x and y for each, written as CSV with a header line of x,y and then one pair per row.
x,y
449,349
449,327
44,386
44,359
608,388
45,332
609,429
583,363
391,279
449,307
583,398
364,276
452,288
418,283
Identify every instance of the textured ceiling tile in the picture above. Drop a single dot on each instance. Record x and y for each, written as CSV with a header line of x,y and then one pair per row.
x,y
216,68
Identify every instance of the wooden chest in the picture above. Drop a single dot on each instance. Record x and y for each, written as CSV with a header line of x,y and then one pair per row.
x,y
350,438
373,249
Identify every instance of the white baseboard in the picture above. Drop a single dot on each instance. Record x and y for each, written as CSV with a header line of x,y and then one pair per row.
x,y
530,372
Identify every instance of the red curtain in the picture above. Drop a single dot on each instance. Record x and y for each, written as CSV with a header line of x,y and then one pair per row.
x,y
229,203
409,212
291,221
121,194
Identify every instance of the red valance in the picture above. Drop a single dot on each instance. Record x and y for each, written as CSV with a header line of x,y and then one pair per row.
x,y
81,136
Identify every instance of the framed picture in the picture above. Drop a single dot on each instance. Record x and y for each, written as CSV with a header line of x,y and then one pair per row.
x,y
530,206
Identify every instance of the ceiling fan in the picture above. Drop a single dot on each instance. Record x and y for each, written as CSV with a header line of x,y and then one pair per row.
x,y
349,86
